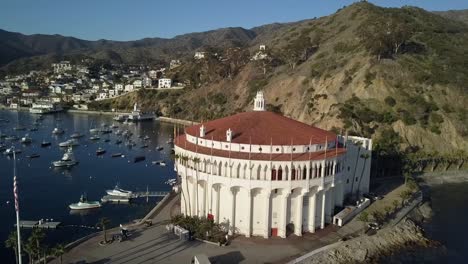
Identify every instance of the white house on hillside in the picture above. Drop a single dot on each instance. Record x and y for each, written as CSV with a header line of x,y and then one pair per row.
x,y
199,55
164,83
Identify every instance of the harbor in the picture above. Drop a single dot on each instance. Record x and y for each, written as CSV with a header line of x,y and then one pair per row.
x,y
46,191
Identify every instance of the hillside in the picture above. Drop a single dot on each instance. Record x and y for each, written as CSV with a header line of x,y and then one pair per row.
x,y
393,74
459,15
19,53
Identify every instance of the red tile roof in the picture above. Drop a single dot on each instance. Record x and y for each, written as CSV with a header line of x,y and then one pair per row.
x,y
262,127
184,144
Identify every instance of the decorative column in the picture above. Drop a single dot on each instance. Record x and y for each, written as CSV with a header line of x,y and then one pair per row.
x,y
330,211
194,196
312,212
233,212
266,230
284,214
298,224
218,198
324,204
209,203
249,214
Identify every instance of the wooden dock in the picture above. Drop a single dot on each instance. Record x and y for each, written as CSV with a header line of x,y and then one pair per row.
x,y
39,224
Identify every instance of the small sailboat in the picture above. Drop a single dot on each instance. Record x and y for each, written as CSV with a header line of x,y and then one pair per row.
x,y
117,155
84,204
159,148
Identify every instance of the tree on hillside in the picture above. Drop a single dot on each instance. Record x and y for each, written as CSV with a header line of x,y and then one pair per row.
x,y
297,51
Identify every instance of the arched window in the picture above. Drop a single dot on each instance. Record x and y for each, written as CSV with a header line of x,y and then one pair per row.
x,y
273,174
280,174
238,171
304,173
259,171
293,173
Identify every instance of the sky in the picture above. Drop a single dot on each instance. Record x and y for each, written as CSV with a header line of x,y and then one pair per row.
x,y
136,19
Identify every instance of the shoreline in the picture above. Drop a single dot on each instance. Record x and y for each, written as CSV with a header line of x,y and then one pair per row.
x,y
444,177
164,119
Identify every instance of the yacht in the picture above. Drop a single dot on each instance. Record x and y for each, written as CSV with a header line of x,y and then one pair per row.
x,y
11,138
68,160
69,143
58,131
138,115
26,139
85,204
119,192
76,135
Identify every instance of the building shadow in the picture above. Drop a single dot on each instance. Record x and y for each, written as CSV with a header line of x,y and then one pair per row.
x,y
232,257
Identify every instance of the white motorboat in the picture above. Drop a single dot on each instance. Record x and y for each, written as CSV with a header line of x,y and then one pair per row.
x,y
138,115
58,131
94,130
68,160
26,139
120,192
161,163
69,143
84,204
94,138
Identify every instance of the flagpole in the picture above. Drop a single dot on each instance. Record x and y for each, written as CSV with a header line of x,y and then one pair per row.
x,y
15,190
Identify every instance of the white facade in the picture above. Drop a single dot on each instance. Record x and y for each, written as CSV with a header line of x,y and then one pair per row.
x,y
164,83
276,196
199,55
129,88
61,66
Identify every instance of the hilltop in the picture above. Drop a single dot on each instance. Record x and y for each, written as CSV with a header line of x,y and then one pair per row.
x,y
398,75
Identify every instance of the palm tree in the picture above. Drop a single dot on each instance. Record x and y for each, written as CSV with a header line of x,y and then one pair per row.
x,y
196,161
103,223
30,249
12,242
36,238
58,252
365,157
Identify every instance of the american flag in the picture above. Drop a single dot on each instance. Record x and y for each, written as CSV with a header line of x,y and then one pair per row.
x,y
15,190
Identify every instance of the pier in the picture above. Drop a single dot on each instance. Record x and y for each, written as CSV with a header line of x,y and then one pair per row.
x,y
39,224
150,194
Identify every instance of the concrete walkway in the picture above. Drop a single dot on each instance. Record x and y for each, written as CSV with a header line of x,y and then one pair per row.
x,y
155,245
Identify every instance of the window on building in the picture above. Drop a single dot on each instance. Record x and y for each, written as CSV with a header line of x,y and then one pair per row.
x,y
280,174
293,174
273,175
347,181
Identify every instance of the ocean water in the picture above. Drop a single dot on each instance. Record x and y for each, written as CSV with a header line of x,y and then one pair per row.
x,y
46,192
450,207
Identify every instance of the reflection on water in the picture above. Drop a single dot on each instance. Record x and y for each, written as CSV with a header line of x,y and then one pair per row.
x,y
45,192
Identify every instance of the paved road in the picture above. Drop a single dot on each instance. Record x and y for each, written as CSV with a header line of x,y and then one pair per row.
x,y
156,245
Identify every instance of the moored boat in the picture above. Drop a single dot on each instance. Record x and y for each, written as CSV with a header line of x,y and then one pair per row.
x,y
84,204
69,143
76,135
33,156
26,139
45,143
68,160
100,151
58,131
120,192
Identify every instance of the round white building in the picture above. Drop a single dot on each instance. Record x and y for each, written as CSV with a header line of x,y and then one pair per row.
x,y
263,174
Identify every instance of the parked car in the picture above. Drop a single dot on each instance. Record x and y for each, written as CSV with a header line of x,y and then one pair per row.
x,y
374,226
